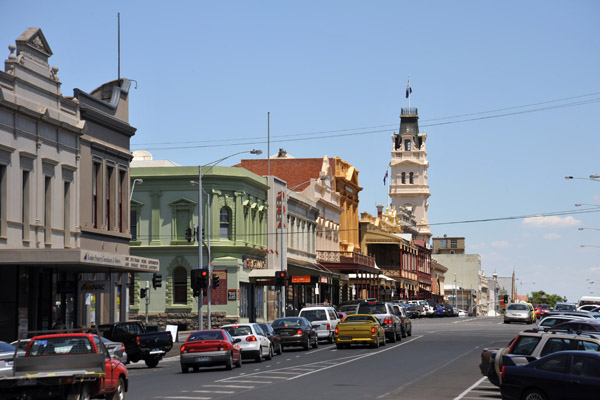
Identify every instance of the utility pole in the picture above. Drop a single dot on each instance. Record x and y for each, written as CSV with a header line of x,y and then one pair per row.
x,y
147,300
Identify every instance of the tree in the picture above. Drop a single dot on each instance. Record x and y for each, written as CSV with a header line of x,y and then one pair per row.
x,y
542,297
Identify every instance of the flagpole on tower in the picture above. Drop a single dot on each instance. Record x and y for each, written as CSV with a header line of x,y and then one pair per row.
x,y
408,91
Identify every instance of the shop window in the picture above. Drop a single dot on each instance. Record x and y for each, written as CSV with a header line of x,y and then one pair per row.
x,y
225,223
180,285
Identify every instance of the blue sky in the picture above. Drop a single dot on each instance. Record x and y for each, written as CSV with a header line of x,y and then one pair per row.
x,y
332,74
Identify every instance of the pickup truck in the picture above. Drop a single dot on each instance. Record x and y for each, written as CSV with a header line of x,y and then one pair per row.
x,y
139,344
69,366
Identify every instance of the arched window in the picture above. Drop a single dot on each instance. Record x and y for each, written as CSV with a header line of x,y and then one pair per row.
x,y
225,223
411,178
403,178
180,285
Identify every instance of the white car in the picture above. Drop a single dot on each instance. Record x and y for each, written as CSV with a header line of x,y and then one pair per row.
x,y
254,342
462,313
323,319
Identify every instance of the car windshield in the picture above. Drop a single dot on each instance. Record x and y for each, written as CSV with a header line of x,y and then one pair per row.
x,y
286,323
372,309
314,315
206,335
519,307
6,347
352,318
238,330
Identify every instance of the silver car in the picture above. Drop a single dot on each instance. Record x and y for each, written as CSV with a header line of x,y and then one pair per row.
x,y
7,354
116,349
518,312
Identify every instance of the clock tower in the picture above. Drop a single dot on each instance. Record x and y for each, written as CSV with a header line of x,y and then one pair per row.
x,y
408,186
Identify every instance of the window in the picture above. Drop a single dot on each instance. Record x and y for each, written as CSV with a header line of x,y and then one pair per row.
x,y
454,243
134,224
556,344
411,178
3,196
25,205
443,244
121,199
180,285
555,364
403,178
586,366
95,193
225,223
587,346
109,221
407,145
525,345
47,209
67,213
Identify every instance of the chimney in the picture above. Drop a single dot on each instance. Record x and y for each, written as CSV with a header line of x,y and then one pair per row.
x,y
379,211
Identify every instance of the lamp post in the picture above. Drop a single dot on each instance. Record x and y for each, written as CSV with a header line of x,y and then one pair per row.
x,y
208,167
595,178
455,299
588,245
281,210
594,229
137,180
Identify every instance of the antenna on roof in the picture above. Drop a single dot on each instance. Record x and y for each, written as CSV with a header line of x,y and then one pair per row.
x,y
118,45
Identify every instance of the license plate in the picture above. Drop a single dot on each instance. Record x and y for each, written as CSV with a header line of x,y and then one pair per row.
x,y
27,382
200,359
156,351
346,338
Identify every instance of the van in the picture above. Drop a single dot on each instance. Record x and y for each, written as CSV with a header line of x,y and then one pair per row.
x,y
324,319
588,300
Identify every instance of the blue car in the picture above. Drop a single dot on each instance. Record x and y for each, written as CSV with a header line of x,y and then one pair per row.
x,y
558,376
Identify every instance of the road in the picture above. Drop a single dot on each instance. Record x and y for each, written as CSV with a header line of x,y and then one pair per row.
x,y
439,361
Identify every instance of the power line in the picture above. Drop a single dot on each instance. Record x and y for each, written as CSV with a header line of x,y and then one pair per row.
x,y
348,132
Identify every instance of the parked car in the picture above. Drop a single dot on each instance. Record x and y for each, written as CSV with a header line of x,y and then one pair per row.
x,y
115,349
519,312
296,331
535,344
405,322
359,329
139,344
565,307
341,315
553,320
587,307
578,326
348,308
7,354
324,319
253,340
411,310
387,317
462,313
419,307
270,332
208,348
562,375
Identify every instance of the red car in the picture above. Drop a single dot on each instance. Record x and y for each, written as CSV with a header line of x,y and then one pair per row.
x,y
208,348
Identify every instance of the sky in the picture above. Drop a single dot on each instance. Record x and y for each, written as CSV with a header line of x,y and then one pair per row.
x,y
507,92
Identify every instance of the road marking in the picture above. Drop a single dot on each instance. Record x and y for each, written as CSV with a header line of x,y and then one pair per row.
x,y
240,381
463,394
230,386
184,398
214,391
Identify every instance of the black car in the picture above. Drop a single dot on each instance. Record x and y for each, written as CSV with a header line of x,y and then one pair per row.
x,y
560,375
273,337
295,331
411,310
447,310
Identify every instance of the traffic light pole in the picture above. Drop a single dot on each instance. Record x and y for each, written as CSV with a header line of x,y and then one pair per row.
x,y
147,300
282,251
208,289
200,238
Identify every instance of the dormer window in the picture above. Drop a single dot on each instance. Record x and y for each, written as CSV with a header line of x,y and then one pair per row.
x,y
407,145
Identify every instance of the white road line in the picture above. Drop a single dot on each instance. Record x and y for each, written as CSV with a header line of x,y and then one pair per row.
x,y
184,398
240,381
230,386
273,377
214,391
463,394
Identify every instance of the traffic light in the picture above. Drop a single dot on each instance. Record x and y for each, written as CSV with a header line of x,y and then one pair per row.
x,y
156,280
188,234
143,293
215,281
195,280
280,278
203,282
505,299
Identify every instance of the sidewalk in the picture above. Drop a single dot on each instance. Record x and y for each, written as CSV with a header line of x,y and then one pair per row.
x,y
181,337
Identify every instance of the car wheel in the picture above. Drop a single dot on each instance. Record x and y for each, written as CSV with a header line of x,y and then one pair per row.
x,y
184,369
196,368
119,393
376,344
229,363
258,357
152,362
393,337
306,345
382,342
492,375
534,394
280,349
506,322
316,343
330,340
339,346
404,334
239,362
270,355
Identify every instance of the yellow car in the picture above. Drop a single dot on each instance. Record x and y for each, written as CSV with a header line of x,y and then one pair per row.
x,y
359,328
533,316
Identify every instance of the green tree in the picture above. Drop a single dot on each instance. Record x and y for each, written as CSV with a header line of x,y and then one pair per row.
x,y
542,297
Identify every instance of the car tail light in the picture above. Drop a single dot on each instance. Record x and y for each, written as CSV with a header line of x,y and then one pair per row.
x,y
299,332
373,329
503,374
137,340
251,338
337,331
122,347
328,326
183,349
220,347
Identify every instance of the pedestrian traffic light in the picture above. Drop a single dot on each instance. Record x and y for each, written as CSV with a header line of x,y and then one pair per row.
x,y
215,281
156,280
280,278
505,299
143,293
188,234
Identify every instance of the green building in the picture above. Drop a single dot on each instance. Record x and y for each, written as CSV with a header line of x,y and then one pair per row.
x,y
164,212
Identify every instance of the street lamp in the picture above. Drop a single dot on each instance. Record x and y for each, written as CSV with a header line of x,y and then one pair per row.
x,y
281,196
137,180
588,245
591,178
594,229
587,204
208,167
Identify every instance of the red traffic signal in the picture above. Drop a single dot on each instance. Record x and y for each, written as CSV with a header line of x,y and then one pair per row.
x,y
280,278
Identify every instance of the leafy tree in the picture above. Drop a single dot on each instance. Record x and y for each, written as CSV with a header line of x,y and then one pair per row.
x,y
550,299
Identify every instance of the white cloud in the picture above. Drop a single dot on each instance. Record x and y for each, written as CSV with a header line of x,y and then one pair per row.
x,y
553,221
501,244
551,236
594,269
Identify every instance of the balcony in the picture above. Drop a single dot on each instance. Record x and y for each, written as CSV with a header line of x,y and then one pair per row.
x,y
345,257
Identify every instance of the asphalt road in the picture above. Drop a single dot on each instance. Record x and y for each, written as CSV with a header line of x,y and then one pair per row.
x,y
439,361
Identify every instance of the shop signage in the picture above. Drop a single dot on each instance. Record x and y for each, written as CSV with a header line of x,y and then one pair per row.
x,y
93,257
232,294
95,286
301,279
254,263
323,279
142,263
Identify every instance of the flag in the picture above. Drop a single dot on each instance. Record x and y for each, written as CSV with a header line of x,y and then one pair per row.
x,y
408,89
385,176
